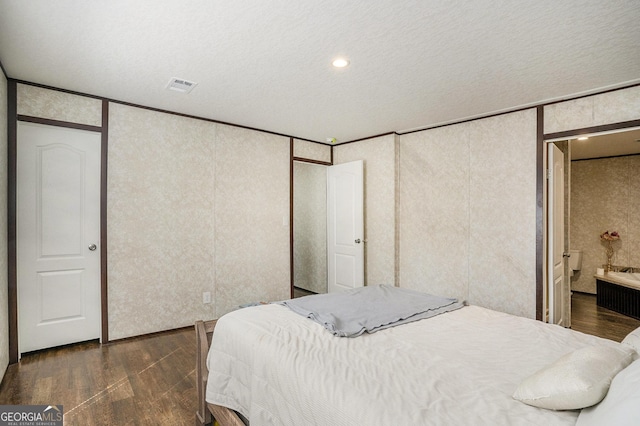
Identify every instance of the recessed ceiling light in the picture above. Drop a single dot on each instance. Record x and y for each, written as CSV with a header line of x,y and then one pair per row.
x,y
340,62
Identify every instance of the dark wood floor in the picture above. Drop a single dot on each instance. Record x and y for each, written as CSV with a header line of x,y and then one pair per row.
x,y
589,318
301,292
145,381
151,380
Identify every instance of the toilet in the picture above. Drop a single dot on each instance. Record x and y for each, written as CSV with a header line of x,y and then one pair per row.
x,y
575,261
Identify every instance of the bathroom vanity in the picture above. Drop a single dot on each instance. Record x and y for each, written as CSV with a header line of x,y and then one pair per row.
x,y
620,292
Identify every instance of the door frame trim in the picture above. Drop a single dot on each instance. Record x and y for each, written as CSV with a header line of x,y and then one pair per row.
x,y
292,158
12,145
541,227
104,305
12,272
540,224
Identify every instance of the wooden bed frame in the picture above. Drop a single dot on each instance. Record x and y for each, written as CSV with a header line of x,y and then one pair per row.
x,y
207,413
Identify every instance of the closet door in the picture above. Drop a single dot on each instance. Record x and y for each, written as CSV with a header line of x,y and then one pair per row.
x,y
58,235
345,226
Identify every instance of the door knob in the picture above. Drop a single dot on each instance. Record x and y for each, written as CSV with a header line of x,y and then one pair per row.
x,y
92,247
358,241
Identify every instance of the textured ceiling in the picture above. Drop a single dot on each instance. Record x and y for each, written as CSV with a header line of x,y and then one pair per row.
x,y
607,145
267,64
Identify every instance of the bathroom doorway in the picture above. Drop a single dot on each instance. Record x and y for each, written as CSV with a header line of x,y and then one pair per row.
x,y
599,176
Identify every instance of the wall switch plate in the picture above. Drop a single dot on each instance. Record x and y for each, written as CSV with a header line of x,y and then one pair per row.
x,y
206,297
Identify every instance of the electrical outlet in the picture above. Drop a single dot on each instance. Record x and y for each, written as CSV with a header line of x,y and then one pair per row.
x,y
206,297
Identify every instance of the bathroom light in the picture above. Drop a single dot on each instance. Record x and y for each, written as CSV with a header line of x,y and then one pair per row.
x,y
340,62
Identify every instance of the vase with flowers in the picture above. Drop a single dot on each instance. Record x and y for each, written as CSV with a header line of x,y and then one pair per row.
x,y
608,238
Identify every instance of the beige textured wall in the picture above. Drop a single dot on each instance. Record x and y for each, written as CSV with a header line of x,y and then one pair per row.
x,y
163,228
56,105
379,203
467,211
612,107
434,211
502,249
310,226
160,220
252,217
311,151
605,195
4,302
169,241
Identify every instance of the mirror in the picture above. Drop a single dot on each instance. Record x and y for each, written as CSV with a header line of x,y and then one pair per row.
x,y
309,228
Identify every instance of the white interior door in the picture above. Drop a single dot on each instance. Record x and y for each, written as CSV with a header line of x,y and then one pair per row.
x,y
555,253
58,228
345,226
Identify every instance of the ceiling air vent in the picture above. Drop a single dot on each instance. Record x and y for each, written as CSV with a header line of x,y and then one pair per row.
x,y
181,85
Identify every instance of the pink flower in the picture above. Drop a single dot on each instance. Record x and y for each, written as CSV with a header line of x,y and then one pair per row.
x,y
610,236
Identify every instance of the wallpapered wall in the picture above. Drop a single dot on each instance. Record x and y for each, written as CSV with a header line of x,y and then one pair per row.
x,y
434,211
467,211
605,195
379,204
4,302
611,107
180,191
160,220
482,227
251,217
311,151
52,104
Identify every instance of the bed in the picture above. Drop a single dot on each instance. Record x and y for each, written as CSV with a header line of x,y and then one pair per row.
x,y
268,365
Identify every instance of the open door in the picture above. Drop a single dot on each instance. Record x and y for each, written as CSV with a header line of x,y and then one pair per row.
x,y
555,253
345,226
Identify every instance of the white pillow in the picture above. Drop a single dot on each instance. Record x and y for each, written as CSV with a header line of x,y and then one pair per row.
x,y
621,406
633,340
578,379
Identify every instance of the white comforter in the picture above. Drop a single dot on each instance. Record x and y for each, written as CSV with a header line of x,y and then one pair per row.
x,y
459,368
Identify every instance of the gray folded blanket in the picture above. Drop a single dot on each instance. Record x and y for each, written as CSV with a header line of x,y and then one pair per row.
x,y
370,309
